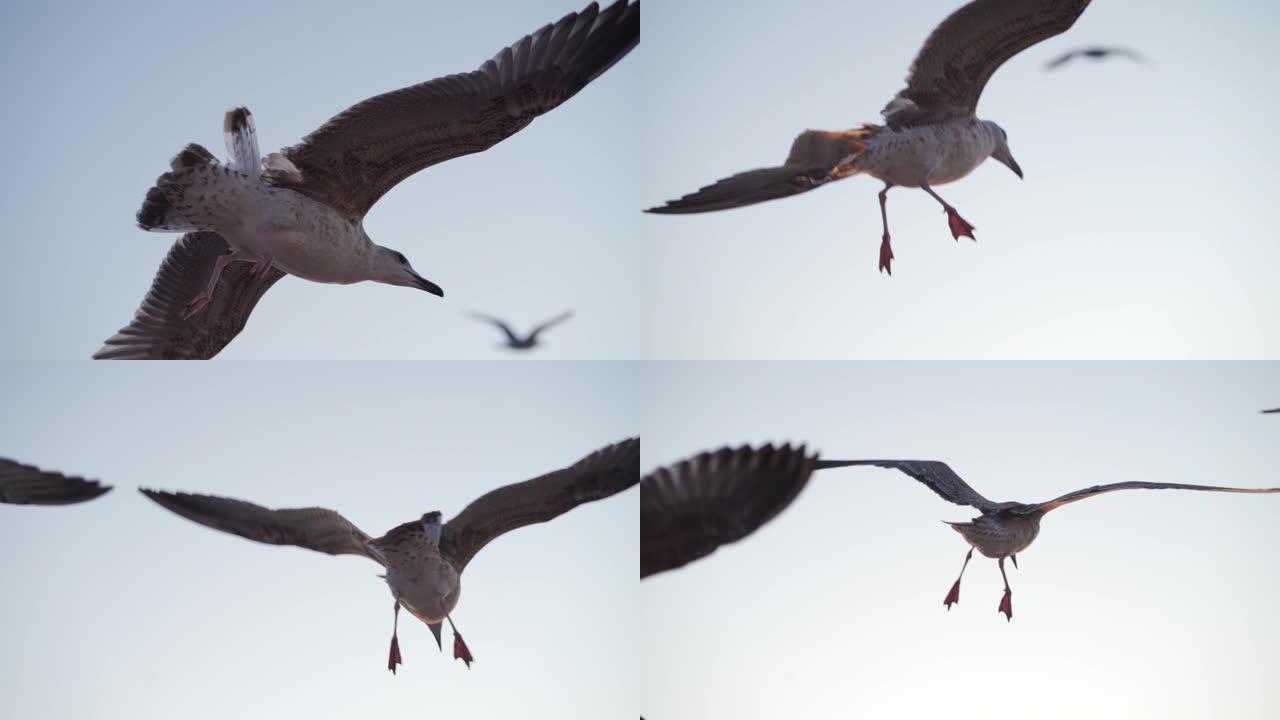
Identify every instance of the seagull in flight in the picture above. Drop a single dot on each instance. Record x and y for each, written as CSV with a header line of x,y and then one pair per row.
x,y
516,342
1268,412
931,133
1093,53
423,558
249,221
1004,529
28,485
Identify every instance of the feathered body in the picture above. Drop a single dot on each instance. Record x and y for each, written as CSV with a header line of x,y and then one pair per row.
x,y
1000,534
420,578
940,152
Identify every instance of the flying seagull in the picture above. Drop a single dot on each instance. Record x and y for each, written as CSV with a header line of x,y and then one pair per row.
x,y
27,485
1093,53
528,342
1005,529
1267,412
250,221
931,134
423,558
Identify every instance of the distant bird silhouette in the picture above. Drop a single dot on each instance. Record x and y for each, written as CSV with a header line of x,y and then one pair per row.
x,y
1004,528
1093,53
931,134
528,342
1276,410
28,485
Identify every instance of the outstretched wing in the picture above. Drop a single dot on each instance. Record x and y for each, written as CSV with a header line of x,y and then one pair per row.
x,y
1268,412
312,528
947,77
1134,485
357,156
690,509
28,485
813,162
937,476
533,335
505,328
603,473
158,331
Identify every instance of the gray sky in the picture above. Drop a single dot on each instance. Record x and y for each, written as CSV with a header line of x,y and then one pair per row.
x,y
1132,604
1144,228
123,610
109,94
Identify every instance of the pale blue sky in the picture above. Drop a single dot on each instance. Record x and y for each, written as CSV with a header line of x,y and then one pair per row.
x,y
120,609
1142,604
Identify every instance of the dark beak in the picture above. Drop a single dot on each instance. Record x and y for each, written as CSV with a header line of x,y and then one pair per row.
x,y
1006,159
424,284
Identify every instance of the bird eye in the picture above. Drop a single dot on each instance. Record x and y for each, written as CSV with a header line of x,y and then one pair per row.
x,y
400,258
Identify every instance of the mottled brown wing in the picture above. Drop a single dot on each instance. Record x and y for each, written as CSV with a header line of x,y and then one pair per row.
x,y
690,509
958,59
603,473
811,164
312,528
357,156
1134,485
937,476
158,331
28,485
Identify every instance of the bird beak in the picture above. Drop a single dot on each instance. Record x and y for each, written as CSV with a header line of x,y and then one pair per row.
x,y
424,284
1002,155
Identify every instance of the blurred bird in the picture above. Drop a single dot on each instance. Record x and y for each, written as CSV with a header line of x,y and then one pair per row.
x,y
1276,410
515,342
27,485
1093,53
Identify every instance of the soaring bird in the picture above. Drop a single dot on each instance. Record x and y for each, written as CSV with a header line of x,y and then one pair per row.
x,y
1004,529
27,485
423,558
931,134
250,221
1093,53
1268,412
527,342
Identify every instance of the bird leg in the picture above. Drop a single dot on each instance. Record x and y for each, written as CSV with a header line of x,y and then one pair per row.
x,y
886,252
261,266
959,227
1006,602
953,597
460,649
395,658
204,296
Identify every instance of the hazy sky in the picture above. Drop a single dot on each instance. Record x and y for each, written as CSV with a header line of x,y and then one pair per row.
x,y
1133,604
118,608
1144,228
103,96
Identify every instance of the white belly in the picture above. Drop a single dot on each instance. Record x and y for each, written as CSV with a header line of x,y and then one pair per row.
x,y
429,589
939,153
303,237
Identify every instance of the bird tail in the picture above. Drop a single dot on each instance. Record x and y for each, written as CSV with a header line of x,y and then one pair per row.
x,y
160,209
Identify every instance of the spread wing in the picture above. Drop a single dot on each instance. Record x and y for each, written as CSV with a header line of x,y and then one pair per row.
x,y
1135,485
812,163
158,331
603,473
690,509
311,528
27,485
958,59
357,156
550,323
505,328
1093,52
1268,412
937,476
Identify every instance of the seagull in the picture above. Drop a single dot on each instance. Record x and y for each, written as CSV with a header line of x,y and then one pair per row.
x,y
28,485
1268,412
423,558
1093,53
931,134
528,342
248,222
1005,529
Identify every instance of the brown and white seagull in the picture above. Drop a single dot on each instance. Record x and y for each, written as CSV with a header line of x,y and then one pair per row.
x,y
423,558
1004,529
29,485
521,342
931,134
249,222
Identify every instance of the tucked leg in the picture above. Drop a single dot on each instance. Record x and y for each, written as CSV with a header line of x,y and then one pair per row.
x,y
886,252
1006,602
460,649
953,597
395,658
959,227
200,300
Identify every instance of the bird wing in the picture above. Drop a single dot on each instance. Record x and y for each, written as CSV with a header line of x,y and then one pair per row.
x,y
28,485
1061,60
690,509
1134,485
948,75
505,328
599,475
533,335
938,476
360,154
158,331
812,163
311,528
1268,412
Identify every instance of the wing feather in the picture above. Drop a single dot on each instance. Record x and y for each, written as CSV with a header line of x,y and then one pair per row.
x,y
937,476
29,485
1133,485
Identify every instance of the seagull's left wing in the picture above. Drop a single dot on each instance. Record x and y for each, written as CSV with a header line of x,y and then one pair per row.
x,y
603,473
359,155
27,485
533,335
1134,485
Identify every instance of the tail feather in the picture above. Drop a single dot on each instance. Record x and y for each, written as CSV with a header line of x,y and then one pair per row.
x,y
159,209
242,141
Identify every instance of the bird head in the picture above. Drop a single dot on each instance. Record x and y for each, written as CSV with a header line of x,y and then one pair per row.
x,y
1001,153
392,268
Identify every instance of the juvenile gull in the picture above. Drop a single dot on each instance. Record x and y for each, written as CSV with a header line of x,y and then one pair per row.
x,y
1094,53
423,558
248,222
527,342
1005,529
28,485
931,134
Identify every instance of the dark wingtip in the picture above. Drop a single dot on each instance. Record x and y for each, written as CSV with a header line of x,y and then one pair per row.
x,y
236,120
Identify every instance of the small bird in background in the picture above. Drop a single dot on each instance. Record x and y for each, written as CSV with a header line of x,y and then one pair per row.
x,y
1094,53
1268,412
28,485
516,342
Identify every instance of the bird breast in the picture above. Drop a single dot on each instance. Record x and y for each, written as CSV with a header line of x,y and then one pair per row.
x,y
425,583
942,152
997,536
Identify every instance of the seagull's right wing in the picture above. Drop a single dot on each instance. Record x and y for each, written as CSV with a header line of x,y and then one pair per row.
x,y
690,509
937,476
1133,485
505,328
158,331
312,528
27,485
533,335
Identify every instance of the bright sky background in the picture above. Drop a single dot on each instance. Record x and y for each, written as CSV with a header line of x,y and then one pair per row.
x,y
1144,229
1141,604
120,609
102,96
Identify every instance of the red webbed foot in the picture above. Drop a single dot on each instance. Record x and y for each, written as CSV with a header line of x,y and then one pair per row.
x,y
886,256
959,227
1006,604
394,658
953,597
460,649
